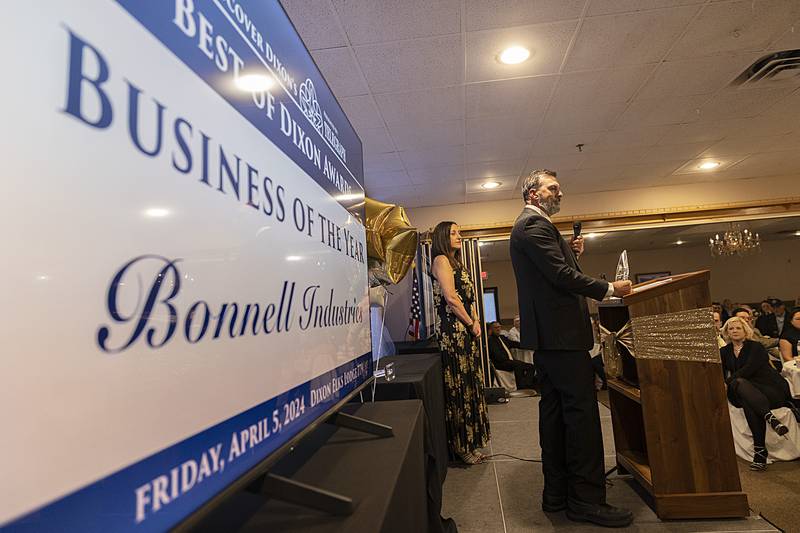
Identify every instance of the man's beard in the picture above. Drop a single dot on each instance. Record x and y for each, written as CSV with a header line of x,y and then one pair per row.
x,y
551,206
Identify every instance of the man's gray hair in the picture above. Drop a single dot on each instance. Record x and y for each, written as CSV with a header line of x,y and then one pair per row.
x,y
534,180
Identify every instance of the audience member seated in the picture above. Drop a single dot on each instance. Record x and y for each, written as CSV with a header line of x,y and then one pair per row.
x,y
779,310
764,320
518,353
753,385
770,344
727,309
716,307
767,323
790,338
500,354
596,354
513,333
718,324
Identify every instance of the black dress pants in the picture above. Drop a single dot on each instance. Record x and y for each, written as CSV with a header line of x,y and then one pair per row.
x,y
569,428
524,373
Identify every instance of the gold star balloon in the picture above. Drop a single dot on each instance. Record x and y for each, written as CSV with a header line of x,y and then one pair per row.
x,y
391,242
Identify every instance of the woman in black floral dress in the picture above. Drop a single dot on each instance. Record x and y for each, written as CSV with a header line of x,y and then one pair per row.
x,y
459,330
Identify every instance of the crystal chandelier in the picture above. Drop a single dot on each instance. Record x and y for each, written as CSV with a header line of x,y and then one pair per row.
x,y
735,241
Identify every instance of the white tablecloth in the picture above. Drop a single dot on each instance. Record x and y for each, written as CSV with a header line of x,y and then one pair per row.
x,y
523,355
778,448
791,371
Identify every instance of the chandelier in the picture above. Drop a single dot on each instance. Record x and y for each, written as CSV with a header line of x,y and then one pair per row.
x,y
735,241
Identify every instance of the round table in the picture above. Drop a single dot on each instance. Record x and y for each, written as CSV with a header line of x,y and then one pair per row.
x,y
791,371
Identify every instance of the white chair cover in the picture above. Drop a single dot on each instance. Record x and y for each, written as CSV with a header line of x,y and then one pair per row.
x,y
791,371
506,379
779,448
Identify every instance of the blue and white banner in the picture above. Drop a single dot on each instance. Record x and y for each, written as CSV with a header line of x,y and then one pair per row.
x,y
184,275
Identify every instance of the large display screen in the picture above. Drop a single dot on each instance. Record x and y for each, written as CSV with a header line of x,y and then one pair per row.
x,y
184,275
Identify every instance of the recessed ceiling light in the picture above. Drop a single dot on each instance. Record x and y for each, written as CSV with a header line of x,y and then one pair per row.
x,y
254,82
293,258
594,235
491,185
156,212
708,165
514,55
797,233
678,242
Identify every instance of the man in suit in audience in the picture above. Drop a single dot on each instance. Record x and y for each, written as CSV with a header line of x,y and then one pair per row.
x,y
767,323
500,354
552,293
779,310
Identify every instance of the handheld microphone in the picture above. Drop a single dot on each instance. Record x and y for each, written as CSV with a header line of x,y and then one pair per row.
x,y
576,229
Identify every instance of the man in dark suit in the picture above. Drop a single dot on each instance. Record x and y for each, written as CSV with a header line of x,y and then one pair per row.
x,y
779,311
767,324
499,353
552,292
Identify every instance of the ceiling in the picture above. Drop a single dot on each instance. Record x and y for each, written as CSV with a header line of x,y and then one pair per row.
x,y
655,238
643,85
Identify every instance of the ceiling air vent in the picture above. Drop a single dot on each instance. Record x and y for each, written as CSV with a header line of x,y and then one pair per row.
x,y
771,69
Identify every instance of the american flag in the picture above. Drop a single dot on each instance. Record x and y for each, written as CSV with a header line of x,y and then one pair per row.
x,y
414,312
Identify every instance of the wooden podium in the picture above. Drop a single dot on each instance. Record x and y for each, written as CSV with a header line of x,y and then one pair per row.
x,y
672,429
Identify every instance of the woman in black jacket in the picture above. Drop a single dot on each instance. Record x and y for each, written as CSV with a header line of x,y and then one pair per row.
x,y
753,385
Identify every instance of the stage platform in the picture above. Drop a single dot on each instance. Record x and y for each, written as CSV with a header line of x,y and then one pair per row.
x,y
504,495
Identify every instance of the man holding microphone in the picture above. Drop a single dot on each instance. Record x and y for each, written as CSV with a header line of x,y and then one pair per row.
x,y
554,317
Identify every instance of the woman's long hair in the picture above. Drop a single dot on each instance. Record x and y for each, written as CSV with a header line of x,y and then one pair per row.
x,y
787,325
440,244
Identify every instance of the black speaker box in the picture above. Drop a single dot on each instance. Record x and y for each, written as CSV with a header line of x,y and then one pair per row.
x,y
495,395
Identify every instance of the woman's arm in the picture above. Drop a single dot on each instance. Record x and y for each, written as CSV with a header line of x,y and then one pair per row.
x,y
443,273
476,325
786,350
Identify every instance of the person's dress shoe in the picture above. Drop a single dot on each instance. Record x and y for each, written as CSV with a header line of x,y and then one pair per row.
x,y
551,504
601,514
776,424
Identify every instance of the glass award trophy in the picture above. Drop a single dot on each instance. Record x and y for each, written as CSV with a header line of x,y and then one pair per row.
x,y
623,271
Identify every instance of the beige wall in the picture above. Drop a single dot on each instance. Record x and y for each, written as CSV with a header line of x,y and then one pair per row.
x,y
501,275
633,201
774,272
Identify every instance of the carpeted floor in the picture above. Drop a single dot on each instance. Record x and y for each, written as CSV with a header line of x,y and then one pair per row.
x,y
602,397
774,494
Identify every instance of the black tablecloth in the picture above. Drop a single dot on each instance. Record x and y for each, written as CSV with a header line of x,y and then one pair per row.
x,y
419,376
384,476
430,345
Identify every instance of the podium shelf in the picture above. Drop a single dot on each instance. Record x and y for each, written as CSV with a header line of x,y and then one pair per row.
x,y
637,465
626,389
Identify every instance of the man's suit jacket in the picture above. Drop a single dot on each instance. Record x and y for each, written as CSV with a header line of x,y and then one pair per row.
x,y
551,288
768,325
497,353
